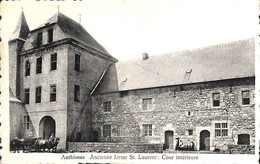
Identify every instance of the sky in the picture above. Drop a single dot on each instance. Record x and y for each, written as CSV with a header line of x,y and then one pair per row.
x,y
127,28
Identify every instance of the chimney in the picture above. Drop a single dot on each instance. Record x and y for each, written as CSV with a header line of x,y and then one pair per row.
x,y
145,56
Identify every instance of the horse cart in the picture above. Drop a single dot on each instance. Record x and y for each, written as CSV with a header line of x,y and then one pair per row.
x,y
34,144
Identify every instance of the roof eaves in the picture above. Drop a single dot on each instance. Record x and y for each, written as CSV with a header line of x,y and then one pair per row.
x,y
176,84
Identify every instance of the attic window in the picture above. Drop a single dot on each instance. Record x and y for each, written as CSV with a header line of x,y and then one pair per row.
x,y
188,70
38,40
50,35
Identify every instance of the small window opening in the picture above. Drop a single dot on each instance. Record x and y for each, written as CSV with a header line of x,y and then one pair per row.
x,y
39,65
50,35
26,96
147,104
26,121
77,62
123,93
27,68
107,106
38,94
245,97
76,93
53,61
147,129
53,93
243,139
200,90
216,99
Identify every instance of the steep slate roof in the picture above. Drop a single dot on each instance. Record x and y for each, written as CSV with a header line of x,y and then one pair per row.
x,y
74,30
224,61
22,30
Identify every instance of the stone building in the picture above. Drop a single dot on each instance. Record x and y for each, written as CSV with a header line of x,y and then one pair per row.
x,y
204,95
53,69
64,82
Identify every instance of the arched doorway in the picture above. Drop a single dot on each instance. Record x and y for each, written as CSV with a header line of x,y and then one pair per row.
x,y
169,139
204,140
47,127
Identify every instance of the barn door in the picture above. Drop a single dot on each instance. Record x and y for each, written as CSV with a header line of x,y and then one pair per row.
x,y
169,139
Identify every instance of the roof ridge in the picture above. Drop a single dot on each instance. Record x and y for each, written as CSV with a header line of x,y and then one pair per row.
x,y
207,47
191,50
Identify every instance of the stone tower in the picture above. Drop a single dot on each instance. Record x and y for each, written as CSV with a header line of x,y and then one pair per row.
x,y
16,43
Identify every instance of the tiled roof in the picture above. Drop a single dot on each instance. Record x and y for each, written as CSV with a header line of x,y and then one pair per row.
x,y
74,30
22,30
224,61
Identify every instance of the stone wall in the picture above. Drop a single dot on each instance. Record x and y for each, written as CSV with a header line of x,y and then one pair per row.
x,y
17,112
179,109
91,69
241,149
115,147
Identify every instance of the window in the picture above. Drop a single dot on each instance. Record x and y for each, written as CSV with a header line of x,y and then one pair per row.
x,y
50,35
216,99
190,132
27,68
107,106
221,129
39,39
39,65
76,93
77,62
106,130
200,90
245,97
38,93
53,93
147,129
147,104
123,93
243,139
53,61
26,96
119,130
26,122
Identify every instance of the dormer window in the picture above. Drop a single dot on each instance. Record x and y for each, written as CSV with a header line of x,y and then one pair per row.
x,y
39,38
50,35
